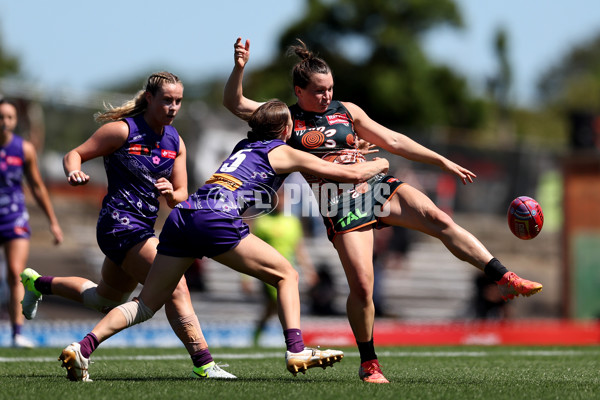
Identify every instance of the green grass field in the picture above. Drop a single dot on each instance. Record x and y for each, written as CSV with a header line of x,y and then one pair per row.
x,y
465,372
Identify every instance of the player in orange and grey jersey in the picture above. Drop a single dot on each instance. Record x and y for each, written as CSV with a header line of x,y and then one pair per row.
x,y
400,205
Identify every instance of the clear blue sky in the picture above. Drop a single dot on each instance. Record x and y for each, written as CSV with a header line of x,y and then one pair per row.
x,y
82,45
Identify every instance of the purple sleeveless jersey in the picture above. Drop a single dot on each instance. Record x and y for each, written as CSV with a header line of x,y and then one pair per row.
x,y
130,208
14,219
243,180
210,221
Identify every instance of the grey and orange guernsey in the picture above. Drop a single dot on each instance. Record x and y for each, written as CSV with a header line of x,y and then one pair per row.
x,y
330,135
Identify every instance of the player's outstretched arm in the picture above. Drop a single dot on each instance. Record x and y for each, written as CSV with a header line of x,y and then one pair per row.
x,y
285,159
401,145
233,94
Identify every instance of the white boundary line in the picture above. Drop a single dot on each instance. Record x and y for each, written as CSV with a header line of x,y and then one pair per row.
x,y
233,356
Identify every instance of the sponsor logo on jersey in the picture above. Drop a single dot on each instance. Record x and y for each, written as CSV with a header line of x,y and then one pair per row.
x,y
299,125
139,150
168,153
227,181
338,119
14,161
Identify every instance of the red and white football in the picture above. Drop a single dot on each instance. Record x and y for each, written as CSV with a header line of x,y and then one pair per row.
x,y
525,217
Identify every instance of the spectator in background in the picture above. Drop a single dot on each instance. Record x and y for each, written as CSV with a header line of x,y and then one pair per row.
x,y
389,252
195,276
487,301
323,293
18,158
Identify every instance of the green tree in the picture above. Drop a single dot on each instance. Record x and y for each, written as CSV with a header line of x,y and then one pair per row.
x,y
500,84
499,87
9,65
574,82
569,87
374,49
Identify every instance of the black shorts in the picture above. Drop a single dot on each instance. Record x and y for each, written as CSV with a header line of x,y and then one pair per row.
x,y
353,210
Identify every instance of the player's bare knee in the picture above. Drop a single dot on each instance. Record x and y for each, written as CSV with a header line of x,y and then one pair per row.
x,y
292,275
362,290
438,218
181,290
283,278
363,294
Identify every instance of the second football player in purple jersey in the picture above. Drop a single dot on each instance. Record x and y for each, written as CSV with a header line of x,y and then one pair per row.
x,y
144,158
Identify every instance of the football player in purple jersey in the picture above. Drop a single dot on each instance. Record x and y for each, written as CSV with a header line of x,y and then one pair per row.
x,y
210,223
144,158
330,129
17,159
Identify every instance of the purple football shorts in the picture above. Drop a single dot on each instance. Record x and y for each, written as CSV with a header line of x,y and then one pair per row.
x,y
115,239
10,232
200,233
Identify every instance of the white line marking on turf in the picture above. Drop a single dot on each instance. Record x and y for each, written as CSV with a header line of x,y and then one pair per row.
x,y
232,356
